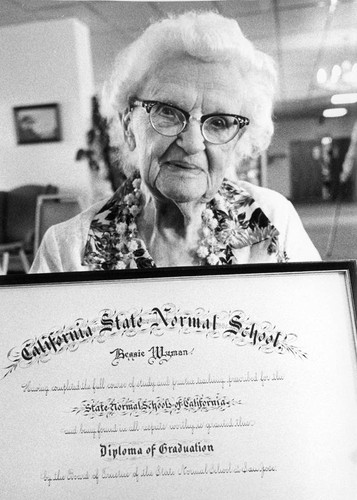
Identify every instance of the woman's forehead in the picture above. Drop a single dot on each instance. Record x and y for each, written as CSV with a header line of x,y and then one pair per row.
x,y
188,82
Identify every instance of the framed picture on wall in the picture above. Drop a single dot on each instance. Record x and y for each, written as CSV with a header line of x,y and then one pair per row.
x,y
38,123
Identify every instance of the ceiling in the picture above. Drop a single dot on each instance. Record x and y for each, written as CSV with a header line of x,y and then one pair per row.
x,y
301,35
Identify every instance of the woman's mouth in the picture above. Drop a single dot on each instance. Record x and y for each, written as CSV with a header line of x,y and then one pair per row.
x,y
183,166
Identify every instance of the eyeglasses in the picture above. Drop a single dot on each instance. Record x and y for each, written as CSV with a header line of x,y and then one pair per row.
x,y
168,120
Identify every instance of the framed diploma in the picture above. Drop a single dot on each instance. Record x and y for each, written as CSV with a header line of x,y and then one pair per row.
x,y
228,382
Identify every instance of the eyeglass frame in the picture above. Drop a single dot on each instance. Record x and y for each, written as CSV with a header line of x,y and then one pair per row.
x,y
149,104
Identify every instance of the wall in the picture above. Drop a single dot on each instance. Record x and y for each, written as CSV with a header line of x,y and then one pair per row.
x,y
278,171
42,63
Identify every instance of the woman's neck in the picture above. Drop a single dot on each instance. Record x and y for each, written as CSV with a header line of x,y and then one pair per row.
x,y
171,231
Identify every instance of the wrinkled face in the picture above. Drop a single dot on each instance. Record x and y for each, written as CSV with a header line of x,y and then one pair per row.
x,y
185,168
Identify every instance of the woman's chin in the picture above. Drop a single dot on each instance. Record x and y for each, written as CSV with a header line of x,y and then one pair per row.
x,y
182,188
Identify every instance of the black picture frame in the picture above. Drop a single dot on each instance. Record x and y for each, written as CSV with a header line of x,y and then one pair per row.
x,y
347,266
37,123
60,375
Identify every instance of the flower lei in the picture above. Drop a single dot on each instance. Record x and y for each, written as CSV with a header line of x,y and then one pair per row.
x,y
209,247
127,229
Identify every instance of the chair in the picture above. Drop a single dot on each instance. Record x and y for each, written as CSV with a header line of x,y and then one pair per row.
x,y
17,223
52,209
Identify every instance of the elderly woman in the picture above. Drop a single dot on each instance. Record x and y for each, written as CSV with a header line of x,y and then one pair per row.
x,y
187,101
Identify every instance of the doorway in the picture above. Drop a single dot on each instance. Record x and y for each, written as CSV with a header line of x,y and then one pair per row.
x,y
315,170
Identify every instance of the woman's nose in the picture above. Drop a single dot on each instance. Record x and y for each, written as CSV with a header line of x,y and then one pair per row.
x,y
191,139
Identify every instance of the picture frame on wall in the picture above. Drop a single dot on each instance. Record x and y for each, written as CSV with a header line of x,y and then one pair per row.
x,y
38,123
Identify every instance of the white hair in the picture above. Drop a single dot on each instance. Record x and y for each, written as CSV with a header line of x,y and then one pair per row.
x,y
208,37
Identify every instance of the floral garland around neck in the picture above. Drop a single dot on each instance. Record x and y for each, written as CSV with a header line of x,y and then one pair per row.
x,y
114,243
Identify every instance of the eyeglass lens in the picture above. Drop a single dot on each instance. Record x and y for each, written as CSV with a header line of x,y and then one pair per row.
x,y
170,121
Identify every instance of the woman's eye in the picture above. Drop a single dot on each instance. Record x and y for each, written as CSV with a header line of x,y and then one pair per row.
x,y
219,122
167,112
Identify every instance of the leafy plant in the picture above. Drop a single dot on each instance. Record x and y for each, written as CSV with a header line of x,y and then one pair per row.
x,y
99,153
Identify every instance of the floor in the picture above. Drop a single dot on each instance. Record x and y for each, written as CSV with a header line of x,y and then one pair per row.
x,y
332,227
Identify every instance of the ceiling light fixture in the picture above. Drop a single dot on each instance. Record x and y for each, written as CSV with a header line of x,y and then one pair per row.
x,y
340,78
349,98
334,112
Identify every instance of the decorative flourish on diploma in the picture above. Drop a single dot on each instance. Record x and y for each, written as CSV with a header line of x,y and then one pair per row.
x,y
235,326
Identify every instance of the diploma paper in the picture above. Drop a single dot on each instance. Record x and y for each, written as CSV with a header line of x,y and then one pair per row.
x,y
234,386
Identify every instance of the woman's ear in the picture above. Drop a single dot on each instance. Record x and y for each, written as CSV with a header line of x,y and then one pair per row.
x,y
126,120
